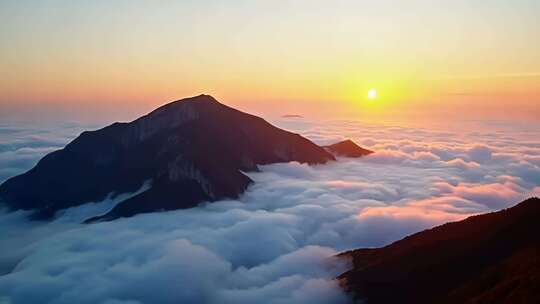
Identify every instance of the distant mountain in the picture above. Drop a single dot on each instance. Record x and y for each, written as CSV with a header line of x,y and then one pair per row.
x,y
490,258
192,150
292,116
347,148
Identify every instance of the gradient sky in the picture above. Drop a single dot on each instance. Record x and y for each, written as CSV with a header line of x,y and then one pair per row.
x,y
478,59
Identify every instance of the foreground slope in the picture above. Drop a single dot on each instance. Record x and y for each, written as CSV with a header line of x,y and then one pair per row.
x,y
490,258
191,150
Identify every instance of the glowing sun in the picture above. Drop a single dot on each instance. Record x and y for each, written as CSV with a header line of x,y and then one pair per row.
x,y
372,94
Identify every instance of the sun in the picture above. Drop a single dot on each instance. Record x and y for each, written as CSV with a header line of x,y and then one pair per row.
x,y
372,94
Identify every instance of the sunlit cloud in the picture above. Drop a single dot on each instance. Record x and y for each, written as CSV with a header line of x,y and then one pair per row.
x,y
277,241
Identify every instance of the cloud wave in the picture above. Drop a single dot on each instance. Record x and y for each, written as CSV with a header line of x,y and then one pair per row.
x,y
277,242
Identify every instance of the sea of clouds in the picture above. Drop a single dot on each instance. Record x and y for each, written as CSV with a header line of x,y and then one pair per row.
x,y
277,243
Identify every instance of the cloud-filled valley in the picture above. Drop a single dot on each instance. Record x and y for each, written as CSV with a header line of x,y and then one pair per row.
x,y
278,241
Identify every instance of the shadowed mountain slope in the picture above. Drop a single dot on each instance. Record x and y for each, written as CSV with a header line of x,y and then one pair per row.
x,y
192,150
490,258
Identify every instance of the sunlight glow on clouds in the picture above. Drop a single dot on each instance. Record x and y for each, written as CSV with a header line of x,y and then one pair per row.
x,y
277,241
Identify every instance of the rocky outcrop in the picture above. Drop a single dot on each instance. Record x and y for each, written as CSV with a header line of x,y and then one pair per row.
x,y
347,148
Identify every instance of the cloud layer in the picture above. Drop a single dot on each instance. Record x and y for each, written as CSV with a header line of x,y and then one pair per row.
x,y
275,244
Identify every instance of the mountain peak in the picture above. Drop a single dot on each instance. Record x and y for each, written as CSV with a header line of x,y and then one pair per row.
x,y
347,148
192,150
189,102
199,98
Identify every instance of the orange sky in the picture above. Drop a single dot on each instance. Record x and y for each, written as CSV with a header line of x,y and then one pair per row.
x,y
315,58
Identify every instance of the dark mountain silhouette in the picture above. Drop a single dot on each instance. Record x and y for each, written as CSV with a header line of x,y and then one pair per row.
x,y
192,150
347,148
490,258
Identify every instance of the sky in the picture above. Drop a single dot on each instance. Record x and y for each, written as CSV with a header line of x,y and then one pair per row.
x,y
120,59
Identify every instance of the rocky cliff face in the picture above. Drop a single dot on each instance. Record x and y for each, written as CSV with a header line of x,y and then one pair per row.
x,y
192,150
490,258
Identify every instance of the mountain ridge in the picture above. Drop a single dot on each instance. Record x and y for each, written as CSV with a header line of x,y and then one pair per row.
x,y
489,258
193,150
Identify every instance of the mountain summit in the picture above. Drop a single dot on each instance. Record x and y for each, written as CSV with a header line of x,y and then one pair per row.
x,y
347,148
191,150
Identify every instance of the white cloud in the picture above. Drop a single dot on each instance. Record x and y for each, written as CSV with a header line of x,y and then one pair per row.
x,y
275,244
